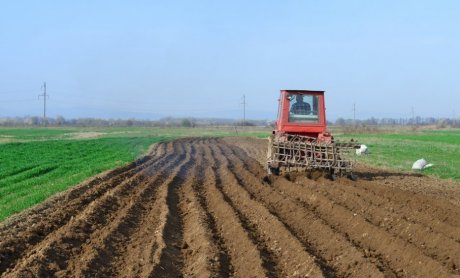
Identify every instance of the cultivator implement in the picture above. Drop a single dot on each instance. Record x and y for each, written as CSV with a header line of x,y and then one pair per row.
x,y
307,152
303,153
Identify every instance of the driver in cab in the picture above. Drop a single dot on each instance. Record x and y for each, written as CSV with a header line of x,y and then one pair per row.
x,y
300,107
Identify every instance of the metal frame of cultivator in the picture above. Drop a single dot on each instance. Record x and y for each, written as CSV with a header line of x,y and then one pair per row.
x,y
304,153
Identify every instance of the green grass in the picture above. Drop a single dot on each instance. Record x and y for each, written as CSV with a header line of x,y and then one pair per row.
x,y
400,150
32,171
39,162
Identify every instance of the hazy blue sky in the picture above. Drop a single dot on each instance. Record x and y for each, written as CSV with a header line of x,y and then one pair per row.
x,y
148,59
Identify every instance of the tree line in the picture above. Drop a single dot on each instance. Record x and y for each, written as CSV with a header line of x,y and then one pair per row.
x,y
416,121
60,121
34,121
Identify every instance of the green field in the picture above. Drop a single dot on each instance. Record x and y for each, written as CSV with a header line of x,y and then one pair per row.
x,y
400,150
32,171
36,163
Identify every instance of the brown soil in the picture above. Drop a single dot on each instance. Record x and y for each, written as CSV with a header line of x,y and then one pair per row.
x,y
202,208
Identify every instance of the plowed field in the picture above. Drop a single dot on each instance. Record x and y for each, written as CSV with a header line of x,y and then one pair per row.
x,y
201,207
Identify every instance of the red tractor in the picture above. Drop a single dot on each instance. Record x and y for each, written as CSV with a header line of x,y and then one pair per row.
x,y
301,141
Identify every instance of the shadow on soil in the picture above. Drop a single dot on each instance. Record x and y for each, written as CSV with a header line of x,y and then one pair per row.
x,y
370,176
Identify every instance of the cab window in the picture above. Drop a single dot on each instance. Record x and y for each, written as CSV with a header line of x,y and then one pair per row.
x,y
303,108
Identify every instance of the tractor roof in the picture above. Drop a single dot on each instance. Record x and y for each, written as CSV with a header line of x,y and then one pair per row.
x,y
304,91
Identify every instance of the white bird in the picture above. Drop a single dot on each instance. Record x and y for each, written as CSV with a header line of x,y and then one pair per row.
x,y
362,150
421,164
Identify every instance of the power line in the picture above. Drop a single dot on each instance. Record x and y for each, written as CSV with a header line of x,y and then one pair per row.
x,y
44,95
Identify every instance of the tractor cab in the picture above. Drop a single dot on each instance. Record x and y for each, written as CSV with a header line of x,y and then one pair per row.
x,y
302,112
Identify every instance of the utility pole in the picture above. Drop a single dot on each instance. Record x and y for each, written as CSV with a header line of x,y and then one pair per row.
x,y
44,95
244,110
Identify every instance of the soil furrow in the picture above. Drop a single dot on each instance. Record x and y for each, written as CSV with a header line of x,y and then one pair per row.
x,y
375,241
109,243
431,243
144,248
142,251
171,261
393,212
442,211
345,258
66,241
224,263
392,190
27,236
223,179
58,211
414,216
201,255
289,255
440,250
245,258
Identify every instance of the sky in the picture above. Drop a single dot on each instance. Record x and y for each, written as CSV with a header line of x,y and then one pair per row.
x,y
151,59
